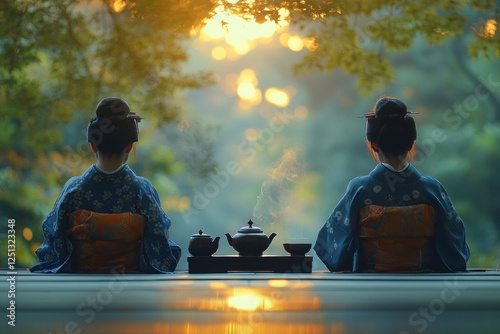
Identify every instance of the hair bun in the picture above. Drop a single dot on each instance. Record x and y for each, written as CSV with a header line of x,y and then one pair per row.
x,y
388,108
112,107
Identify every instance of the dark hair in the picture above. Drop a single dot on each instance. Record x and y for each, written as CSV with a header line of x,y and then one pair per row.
x,y
114,127
390,126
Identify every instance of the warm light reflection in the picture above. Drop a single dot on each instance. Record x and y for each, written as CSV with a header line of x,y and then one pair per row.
x,y
247,325
278,283
217,285
278,97
245,299
118,5
276,295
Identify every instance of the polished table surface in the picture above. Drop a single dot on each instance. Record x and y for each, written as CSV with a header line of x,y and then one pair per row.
x,y
319,302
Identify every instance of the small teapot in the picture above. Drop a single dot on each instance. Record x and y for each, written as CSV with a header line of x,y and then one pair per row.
x,y
250,240
201,244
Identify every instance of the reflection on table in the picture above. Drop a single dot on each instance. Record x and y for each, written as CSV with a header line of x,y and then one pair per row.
x,y
239,303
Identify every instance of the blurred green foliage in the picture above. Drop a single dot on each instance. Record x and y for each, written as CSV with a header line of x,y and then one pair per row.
x,y
358,36
59,57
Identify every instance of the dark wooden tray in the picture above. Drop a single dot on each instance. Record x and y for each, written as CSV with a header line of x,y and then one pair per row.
x,y
264,263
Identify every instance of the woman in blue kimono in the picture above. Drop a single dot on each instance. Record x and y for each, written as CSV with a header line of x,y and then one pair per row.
x,y
108,220
394,219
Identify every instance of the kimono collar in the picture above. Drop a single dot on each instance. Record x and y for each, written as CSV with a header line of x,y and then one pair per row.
x,y
109,173
119,176
407,175
393,169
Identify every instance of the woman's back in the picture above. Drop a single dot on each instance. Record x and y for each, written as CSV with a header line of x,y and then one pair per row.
x,y
394,187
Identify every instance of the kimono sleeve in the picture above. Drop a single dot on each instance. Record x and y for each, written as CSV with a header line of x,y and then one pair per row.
x,y
55,252
158,253
450,233
336,244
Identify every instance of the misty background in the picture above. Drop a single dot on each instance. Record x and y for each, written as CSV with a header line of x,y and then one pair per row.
x,y
289,177
232,130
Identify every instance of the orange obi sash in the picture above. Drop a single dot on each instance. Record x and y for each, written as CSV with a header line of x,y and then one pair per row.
x,y
105,243
396,239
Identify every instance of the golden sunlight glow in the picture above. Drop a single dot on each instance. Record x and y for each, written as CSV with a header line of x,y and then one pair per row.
x,y
295,43
242,47
245,299
310,43
248,75
219,53
118,5
247,88
27,233
278,97
490,28
238,32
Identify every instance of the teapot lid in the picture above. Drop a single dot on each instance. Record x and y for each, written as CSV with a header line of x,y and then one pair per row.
x,y
200,234
250,228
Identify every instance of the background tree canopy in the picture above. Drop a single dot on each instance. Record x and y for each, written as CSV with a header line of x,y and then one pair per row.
x,y
59,58
357,36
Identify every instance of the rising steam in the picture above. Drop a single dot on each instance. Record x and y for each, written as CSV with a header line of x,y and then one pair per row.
x,y
276,189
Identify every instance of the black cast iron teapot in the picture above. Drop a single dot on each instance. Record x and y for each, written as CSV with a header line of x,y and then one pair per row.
x,y
250,240
201,244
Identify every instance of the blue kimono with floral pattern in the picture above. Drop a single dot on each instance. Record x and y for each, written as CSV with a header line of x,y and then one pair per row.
x,y
337,243
118,192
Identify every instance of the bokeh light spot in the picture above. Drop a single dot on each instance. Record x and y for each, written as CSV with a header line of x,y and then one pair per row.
x,y
219,53
27,234
277,96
